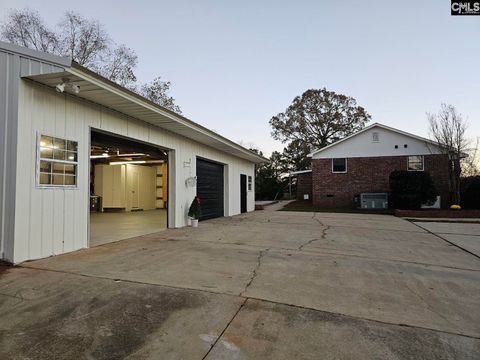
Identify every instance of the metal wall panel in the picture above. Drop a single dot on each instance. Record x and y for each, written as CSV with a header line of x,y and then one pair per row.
x,y
9,70
12,67
55,221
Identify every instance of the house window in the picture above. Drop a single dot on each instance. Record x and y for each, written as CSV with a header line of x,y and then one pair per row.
x,y
375,137
249,183
339,165
415,163
57,161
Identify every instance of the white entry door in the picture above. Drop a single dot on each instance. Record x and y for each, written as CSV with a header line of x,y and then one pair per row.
x,y
135,190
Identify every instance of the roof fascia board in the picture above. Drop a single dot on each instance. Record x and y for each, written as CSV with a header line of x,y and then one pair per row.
x,y
300,172
35,54
94,78
82,72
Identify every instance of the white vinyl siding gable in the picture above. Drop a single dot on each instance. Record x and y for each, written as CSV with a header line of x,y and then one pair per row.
x,y
389,143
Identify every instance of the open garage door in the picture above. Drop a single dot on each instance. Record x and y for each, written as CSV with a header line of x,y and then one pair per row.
x,y
128,188
210,188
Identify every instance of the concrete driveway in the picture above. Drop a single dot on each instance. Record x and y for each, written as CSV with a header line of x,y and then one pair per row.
x,y
264,285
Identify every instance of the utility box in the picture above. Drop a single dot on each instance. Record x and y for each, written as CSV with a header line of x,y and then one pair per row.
x,y
374,200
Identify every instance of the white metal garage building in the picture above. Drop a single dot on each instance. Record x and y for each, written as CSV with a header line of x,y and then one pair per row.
x,y
56,114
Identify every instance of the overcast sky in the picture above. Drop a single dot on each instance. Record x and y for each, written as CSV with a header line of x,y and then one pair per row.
x,y
235,64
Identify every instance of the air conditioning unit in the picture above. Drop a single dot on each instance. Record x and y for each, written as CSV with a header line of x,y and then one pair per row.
x,y
374,200
434,205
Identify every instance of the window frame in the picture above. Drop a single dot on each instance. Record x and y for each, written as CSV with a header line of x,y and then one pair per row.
x,y
423,163
375,137
249,183
38,160
340,172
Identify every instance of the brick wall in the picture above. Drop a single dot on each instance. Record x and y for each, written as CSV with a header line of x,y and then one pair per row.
x,y
304,185
369,174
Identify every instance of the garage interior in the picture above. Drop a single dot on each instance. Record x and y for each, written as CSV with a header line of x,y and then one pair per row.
x,y
128,188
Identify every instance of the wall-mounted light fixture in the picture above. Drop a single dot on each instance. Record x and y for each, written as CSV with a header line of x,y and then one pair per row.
x,y
191,181
66,83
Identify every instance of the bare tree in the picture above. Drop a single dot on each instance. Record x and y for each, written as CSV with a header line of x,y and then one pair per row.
x,y
157,91
471,164
448,128
88,43
120,67
84,40
26,28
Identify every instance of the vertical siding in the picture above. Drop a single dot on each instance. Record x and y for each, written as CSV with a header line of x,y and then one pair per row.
x,y
13,174
56,220
9,70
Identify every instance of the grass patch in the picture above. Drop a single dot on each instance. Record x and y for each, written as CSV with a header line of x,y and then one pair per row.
x,y
308,207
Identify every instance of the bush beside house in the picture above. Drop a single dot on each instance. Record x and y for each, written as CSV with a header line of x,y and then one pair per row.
x,y
410,190
470,192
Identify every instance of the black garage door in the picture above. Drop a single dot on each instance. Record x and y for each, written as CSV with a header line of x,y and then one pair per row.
x,y
210,188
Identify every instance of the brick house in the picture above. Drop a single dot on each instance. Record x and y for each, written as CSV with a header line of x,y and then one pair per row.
x,y
304,184
361,163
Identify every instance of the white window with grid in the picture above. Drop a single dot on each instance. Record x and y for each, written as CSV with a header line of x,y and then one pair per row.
x,y
57,162
415,163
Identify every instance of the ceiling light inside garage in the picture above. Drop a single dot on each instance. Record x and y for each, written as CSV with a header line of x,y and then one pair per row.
x,y
127,162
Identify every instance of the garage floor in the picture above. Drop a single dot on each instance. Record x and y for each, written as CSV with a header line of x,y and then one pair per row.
x,y
263,285
108,227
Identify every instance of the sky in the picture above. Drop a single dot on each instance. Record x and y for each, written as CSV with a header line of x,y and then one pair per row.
x,y
235,64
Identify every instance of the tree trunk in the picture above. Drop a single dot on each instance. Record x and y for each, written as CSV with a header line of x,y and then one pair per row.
x,y
457,169
455,172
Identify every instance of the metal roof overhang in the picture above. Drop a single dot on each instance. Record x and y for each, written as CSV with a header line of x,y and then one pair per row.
x,y
101,91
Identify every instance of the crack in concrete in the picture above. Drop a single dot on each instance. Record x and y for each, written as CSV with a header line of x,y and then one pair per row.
x,y
15,296
324,252
322,237
255,270
225,329
365,318
264,300
309,242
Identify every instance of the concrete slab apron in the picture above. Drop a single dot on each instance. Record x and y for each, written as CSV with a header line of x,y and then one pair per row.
x,y
466,236
220,268
368,267
48,315
264,330
398,293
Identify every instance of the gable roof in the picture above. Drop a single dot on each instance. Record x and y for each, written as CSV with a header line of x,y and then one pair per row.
x,y
51,70
385,127
300,172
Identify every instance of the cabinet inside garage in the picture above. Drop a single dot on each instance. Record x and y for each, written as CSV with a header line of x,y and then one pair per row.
x,y
210,188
